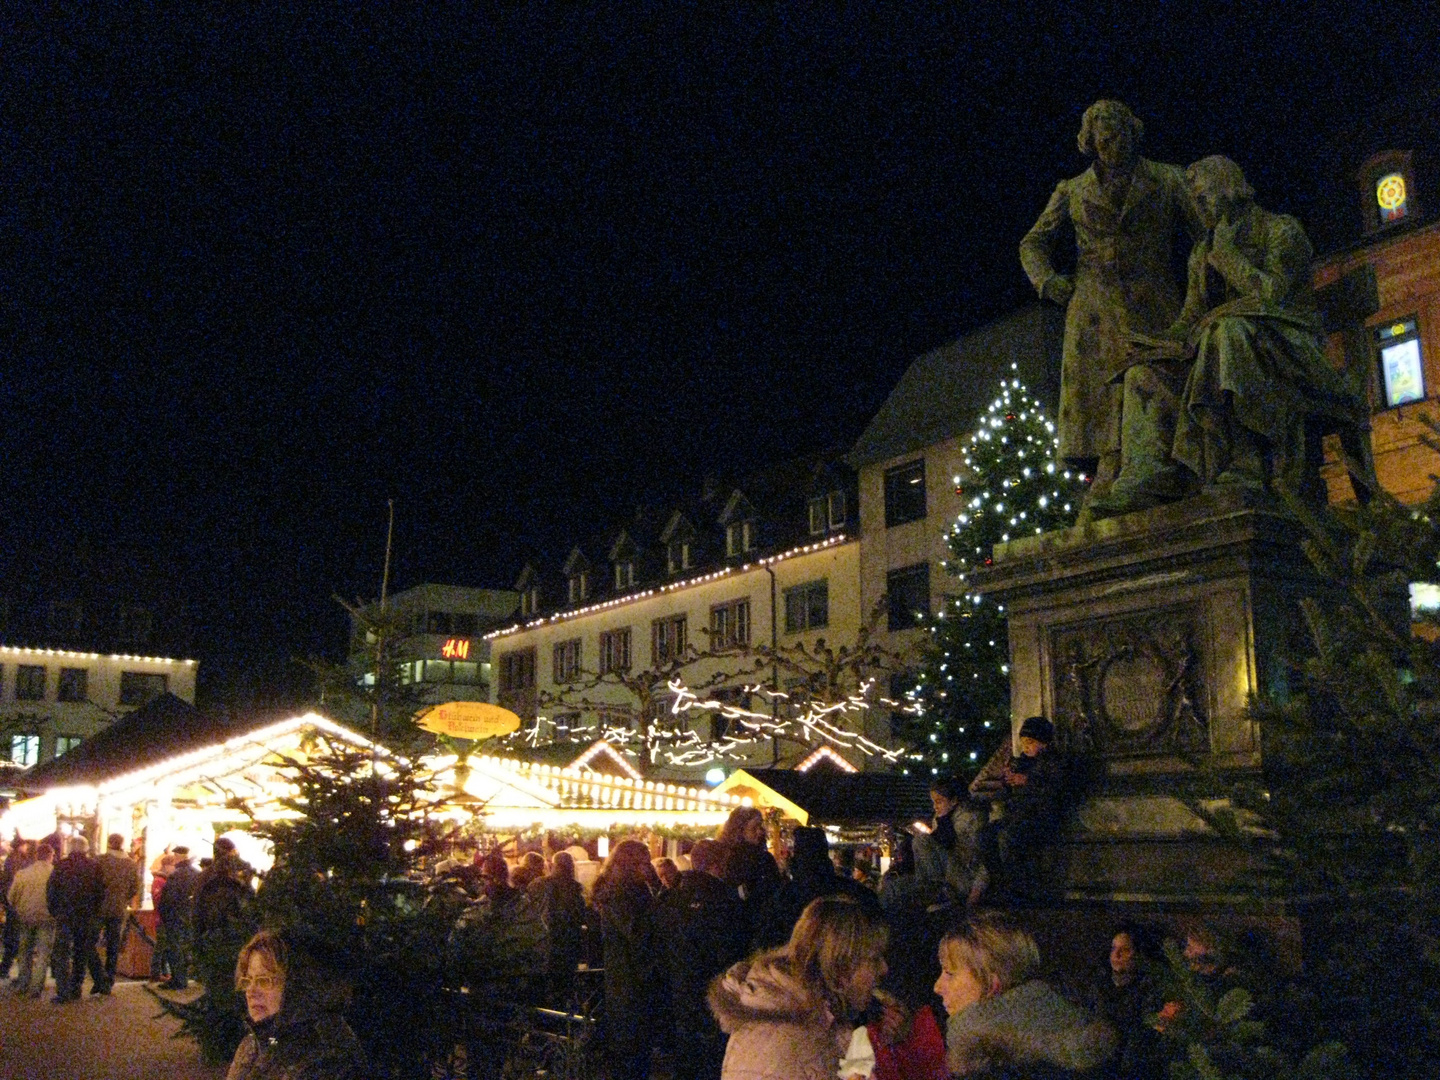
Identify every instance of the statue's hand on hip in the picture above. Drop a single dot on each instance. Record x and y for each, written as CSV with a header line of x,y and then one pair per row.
x,y
1058,290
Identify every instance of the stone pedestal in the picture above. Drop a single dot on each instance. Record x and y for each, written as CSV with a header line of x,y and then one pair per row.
x,y
1142,638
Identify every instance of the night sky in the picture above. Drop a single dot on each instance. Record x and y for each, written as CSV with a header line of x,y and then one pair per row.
x,y
520,266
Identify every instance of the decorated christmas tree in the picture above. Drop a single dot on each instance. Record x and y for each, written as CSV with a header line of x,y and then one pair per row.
x,y
1013,487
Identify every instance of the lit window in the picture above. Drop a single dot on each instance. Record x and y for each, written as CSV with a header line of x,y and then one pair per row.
x,y
807,607
905,493
615,651
65,743
730,625
24,749
1401,368
29,683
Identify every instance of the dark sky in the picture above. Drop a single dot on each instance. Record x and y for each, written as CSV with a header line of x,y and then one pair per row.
x,y
517,266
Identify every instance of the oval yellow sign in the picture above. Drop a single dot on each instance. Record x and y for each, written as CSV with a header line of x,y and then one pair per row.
x,y
468,719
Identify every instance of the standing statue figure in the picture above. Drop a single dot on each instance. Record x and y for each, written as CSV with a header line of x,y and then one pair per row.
x,y
1125,212
1240,383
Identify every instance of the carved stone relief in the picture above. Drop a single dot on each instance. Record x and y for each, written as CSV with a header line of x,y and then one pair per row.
x,y
1131,685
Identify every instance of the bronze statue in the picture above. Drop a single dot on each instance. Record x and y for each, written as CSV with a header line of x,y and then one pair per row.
x,y
1125,212
1237,392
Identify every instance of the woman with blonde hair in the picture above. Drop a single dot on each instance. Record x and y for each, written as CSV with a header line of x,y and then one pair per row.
x,y
790,1012
1005,1022
296,1029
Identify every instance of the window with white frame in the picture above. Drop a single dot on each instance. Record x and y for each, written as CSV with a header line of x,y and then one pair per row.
x,y
529,600
30,682
566,661
807,606
730,624
579,586
74,684
677,556
667,639
65,743
739,538
817,516
615,650
624,574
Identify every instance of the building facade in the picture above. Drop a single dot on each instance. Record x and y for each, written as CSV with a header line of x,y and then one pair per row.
x,y
705,634
51,700
436,640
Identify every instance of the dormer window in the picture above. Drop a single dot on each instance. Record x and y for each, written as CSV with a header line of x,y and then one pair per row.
x,y
817,516
835,506
739,538
678,556
624,574
579,586
529,601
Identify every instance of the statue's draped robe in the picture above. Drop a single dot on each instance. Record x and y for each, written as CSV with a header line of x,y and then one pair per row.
x,y
1259,367
1123,282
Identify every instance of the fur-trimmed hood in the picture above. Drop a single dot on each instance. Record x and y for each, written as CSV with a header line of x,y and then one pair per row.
x,y
778,1030
762,991
1029,1024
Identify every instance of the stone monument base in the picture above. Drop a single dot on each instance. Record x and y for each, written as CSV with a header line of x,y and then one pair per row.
x,y
1143,637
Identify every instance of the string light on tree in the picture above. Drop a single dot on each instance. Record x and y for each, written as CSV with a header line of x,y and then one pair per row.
x,y
1013,486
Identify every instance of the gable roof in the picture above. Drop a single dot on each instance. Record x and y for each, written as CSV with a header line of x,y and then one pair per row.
x,y
163,727
943,393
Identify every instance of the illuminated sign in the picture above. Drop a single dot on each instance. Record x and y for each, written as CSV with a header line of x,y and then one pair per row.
x,y
468,719
456,649
1401,368
1391,196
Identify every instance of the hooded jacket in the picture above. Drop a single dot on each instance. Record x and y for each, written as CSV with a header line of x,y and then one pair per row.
x,y
778,1030
307,1039
1029,1030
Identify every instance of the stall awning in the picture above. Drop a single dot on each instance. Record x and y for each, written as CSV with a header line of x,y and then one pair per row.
x,y
832,797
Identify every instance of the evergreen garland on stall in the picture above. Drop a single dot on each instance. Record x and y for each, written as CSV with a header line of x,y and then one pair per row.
x,y
1013,487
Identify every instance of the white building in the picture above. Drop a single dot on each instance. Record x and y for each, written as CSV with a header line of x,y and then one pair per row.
x,y
51,700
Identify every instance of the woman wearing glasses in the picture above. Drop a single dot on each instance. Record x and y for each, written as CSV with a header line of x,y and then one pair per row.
x,y
296,1030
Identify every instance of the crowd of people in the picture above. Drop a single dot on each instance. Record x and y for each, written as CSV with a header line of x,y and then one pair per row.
x,y
69,913
732,965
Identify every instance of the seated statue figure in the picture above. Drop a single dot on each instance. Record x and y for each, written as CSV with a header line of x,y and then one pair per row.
x,y
1238,390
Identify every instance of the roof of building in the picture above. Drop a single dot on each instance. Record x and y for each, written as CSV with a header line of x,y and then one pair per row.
x,y
944,392
164,727
774,500
831,797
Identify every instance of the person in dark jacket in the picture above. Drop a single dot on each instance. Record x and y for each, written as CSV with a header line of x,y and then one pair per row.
x,y
561,902
702,932
296,1030
633,975
176,913
745,863
122,887
20,855
811,876
74,893
222,889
